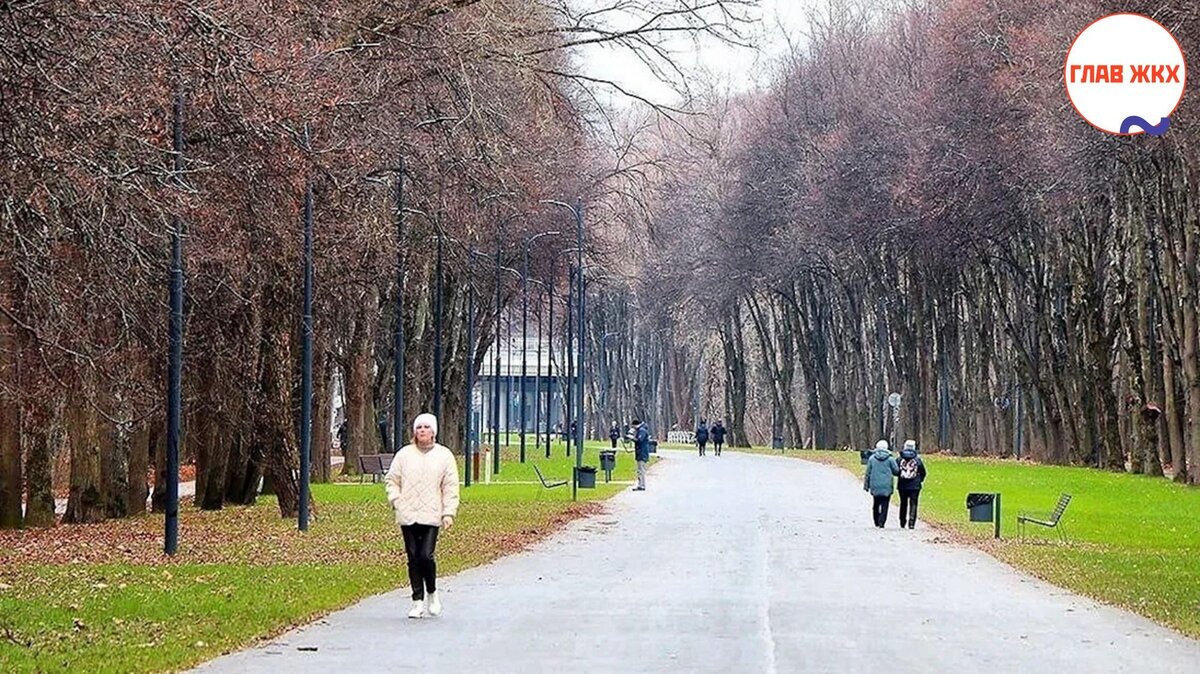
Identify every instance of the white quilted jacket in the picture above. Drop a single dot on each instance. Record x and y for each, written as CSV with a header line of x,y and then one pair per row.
x,y
423,486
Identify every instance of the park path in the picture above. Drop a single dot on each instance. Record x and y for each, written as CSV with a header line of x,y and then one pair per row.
x,y
740,563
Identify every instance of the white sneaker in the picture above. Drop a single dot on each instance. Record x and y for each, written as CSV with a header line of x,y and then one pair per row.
x,y
418,609
435,604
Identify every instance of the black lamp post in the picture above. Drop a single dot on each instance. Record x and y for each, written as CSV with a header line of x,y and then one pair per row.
x,y
577,211
525,327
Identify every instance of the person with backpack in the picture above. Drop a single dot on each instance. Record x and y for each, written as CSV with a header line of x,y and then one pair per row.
x,y
718,435
701,436
877,481
912,476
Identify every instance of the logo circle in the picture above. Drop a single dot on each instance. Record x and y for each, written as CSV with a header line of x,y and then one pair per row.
x,y
1124,66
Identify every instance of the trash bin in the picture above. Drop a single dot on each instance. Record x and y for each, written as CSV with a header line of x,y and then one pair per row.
x,y
608,462
981,507
777,442
654,446
864,455
608,459
586,477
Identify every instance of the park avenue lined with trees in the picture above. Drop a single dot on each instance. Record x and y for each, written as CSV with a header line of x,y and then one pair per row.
x,y
906,207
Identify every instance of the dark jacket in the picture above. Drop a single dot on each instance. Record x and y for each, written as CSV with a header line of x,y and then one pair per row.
x,y
910,484
718,434
614,433
702,433
881,468
641,444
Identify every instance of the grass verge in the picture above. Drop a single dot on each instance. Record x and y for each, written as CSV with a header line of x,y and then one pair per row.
x,y
102,598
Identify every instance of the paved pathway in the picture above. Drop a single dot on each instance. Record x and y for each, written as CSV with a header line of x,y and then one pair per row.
x,y
734,564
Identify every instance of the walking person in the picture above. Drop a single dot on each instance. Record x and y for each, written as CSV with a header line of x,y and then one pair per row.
x,y
881,468
912,477
614,434
701,436
422,486
641,452
718,436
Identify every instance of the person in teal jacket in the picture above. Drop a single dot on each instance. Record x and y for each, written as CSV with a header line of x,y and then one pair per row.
x,y
879,482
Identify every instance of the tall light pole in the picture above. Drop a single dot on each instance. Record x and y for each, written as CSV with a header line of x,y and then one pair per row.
x,y
175,349
496,372
525,327
306,385
577,211
537,370
470,377
398,337
437,330
550,359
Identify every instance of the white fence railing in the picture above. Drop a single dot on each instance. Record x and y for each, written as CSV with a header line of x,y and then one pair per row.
x,y
681,437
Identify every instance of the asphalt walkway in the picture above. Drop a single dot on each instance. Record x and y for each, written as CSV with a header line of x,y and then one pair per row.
x,y
740,563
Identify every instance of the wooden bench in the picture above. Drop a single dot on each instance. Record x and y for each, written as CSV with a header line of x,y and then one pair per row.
x,y
547,485
375,465
1052,520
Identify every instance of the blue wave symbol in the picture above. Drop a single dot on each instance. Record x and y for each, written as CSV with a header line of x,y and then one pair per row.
x,y
1150,129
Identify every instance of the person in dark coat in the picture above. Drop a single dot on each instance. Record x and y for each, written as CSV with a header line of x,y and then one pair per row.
x,y
641,452
701,436
912,476
878,481
614,434
718,436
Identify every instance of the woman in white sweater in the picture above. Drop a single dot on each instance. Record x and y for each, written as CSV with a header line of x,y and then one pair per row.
x,y
422,486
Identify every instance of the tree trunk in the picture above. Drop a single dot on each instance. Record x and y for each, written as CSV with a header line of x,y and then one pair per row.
x,y
10,404
86,502
139,459
114,467
322,436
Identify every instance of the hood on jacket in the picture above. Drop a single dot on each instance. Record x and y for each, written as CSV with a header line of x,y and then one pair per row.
x,y
881,455
908,453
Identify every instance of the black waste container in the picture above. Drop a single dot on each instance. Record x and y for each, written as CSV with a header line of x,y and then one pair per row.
x,y
864,455
654,446
608,459
980,507
586,476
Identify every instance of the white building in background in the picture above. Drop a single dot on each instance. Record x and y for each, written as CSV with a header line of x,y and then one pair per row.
x,y
542,378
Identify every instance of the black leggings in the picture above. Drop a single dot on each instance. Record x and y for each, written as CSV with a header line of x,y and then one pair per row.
x,y
908,506
419,543
717,446
879,509
701,444
614,442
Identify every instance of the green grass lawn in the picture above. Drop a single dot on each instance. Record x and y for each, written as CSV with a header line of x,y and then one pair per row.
x,y
559,465
1133,541
101,598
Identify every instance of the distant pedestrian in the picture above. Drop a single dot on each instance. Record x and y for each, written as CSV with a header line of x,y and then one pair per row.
x,y
614,434
422,486
718,436
701,436
641,453
383,430
912,477
881,468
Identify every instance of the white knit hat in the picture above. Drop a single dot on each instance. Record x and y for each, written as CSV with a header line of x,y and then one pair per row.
x,y
426,418
882,444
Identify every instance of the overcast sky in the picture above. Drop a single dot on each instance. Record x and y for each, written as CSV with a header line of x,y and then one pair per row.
x,y
737,67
